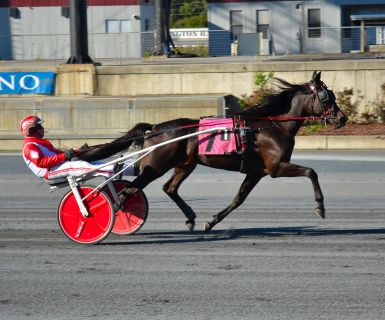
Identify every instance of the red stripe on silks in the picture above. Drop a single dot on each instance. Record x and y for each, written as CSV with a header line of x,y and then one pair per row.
x,y
63,3
55,173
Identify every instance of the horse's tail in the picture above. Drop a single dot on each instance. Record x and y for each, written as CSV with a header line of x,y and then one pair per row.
x,y
135,136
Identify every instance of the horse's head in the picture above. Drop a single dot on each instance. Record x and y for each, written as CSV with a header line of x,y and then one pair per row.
x,y
325,103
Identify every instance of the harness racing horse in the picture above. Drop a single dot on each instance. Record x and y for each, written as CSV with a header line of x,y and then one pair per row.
x,y
272,125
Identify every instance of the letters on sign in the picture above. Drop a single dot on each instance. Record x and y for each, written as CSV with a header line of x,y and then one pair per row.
x,y
189,33
27,82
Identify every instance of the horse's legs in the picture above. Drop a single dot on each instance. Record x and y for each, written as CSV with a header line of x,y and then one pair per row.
x,y
247,185
147,175
292,170
171,189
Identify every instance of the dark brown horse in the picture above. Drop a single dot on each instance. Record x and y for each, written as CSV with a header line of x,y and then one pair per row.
x,y
270,145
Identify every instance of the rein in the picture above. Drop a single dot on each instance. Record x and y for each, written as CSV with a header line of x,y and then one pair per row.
x,y
268,118
219,122
283,118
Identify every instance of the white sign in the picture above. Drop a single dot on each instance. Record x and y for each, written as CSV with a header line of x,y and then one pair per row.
x,y
189,33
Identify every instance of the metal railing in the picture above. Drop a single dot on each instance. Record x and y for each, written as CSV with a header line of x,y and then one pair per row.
x,y
221,42
316,40
57,46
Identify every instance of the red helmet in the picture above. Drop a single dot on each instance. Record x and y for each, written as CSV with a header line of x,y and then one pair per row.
x,y
29,123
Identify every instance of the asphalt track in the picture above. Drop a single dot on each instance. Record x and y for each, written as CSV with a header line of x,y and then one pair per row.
x,y
270,259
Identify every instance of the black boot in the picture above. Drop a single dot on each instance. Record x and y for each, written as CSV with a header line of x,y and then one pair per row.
x,y
136,169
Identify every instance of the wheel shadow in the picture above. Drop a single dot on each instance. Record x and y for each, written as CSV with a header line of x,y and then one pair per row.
x,y
175,237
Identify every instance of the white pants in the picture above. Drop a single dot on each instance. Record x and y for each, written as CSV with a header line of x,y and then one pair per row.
x,y
78,168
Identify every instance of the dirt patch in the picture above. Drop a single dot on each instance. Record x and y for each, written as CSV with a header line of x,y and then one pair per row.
x,y
370,129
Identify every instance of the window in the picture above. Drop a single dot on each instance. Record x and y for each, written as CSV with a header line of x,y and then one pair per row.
x,y
236,26
15,13
263,21
125,26
146,24
314,21
380,35
346,22
65,12
118,26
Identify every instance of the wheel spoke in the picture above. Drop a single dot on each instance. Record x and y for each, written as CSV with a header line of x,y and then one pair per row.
x,y
96,223
124,219
97,206
69,214
80,228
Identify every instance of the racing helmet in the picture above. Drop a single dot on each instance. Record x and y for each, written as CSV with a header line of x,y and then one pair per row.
x,y
28,124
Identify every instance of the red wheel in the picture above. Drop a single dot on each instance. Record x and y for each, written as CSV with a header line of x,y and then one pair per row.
x,y
91,229
133,213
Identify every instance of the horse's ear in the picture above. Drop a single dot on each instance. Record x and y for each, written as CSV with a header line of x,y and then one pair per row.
x,y
316,77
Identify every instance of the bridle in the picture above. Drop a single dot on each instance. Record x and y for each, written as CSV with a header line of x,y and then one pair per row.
x,y
325,98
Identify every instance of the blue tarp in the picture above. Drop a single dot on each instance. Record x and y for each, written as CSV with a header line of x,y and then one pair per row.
x,y
27,82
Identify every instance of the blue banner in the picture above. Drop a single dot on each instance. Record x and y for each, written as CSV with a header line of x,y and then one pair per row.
x,y
27,82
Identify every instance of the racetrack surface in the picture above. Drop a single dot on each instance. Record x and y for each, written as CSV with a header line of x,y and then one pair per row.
x,y
270,259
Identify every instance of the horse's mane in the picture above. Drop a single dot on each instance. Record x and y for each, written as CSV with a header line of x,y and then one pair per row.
x,y
278,99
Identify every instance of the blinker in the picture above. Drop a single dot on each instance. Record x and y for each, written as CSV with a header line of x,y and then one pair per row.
x,y
323,96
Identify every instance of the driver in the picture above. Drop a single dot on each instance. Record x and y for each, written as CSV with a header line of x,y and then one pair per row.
x,y
50,163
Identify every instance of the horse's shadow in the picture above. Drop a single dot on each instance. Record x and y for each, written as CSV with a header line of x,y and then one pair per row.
x,y
170,237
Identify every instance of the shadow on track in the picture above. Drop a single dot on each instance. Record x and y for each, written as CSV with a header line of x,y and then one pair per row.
x,y
230,234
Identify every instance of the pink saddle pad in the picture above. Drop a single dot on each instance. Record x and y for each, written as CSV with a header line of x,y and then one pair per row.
x,y
216,142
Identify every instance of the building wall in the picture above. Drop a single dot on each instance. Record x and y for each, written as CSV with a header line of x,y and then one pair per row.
x,y
40,33
120,45
43,33
5,41
285,23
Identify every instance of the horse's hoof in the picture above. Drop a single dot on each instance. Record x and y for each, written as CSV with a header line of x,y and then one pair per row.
x,y
320,212
190,226
207,227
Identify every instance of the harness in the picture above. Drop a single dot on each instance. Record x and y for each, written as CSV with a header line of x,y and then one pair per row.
x,y
243,133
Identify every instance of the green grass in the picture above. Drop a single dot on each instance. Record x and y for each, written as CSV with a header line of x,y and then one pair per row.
x,y
313,128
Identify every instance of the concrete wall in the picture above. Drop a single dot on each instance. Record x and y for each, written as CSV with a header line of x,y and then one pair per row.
x,y
101,102
72,121
365,77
